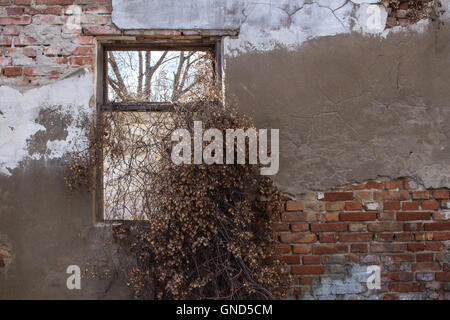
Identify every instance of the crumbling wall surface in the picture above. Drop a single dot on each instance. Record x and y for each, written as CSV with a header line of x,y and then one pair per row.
x,y
333,240
46,104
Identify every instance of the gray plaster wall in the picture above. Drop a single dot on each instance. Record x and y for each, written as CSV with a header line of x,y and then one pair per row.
x,y
351,104
351,107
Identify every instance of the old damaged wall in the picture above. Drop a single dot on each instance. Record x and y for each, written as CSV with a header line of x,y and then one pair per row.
x,y
353,101
353,104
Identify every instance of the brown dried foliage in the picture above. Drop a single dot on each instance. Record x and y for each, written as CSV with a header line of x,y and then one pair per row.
x,y
205,231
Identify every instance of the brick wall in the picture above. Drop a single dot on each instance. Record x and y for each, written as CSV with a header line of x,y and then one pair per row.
x,y
328,240
44,40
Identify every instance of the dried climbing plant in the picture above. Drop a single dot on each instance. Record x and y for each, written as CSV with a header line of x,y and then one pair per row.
x,y
204,231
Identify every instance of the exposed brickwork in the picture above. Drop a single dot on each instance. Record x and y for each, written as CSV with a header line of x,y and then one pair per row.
x,y
43,40
328,240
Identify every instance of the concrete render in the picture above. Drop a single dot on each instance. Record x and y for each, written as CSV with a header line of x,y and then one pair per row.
x,y
349,107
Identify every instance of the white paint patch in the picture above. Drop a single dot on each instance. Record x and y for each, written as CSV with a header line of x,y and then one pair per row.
x,y
351,285
19,112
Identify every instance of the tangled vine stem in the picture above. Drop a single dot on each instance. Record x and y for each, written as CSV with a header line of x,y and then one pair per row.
x,y
206,231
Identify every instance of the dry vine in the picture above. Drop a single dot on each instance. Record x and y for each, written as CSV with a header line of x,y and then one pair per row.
x,y
205,231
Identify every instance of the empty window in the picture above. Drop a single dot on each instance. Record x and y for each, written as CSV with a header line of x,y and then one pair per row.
x,y
137,90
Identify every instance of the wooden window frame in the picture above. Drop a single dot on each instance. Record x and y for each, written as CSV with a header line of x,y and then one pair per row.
x,y
215,46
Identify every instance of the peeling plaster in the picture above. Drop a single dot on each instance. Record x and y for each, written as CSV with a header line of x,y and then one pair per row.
x,y
19,119
347,284
264,25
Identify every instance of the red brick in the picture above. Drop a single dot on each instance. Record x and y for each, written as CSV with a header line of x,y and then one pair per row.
x,y
4,61
384,226
400,276
52,50
426,266
410,185
299,227
437,226
416,247
430,205
15,20
397,184
408,216
311,260
441,236
425,276
293,216
421,195
22,2
29,52
307,280
353,205
337,196
355,237
358,247
357,216
101,30
99,9
330,217
283,249
405,287
405,236
14,11
45,10
290,206
422,257
385,236
12,71
79,61
392,195
443,276
298,237
301,249
330,249
24,41
410,206
54,2
386,216
291,259
328,237
441,215
84,39
441,194
281,227
363,195
307,270
32,72
434,246
391,205
328,227
413,226
400,257
297,291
